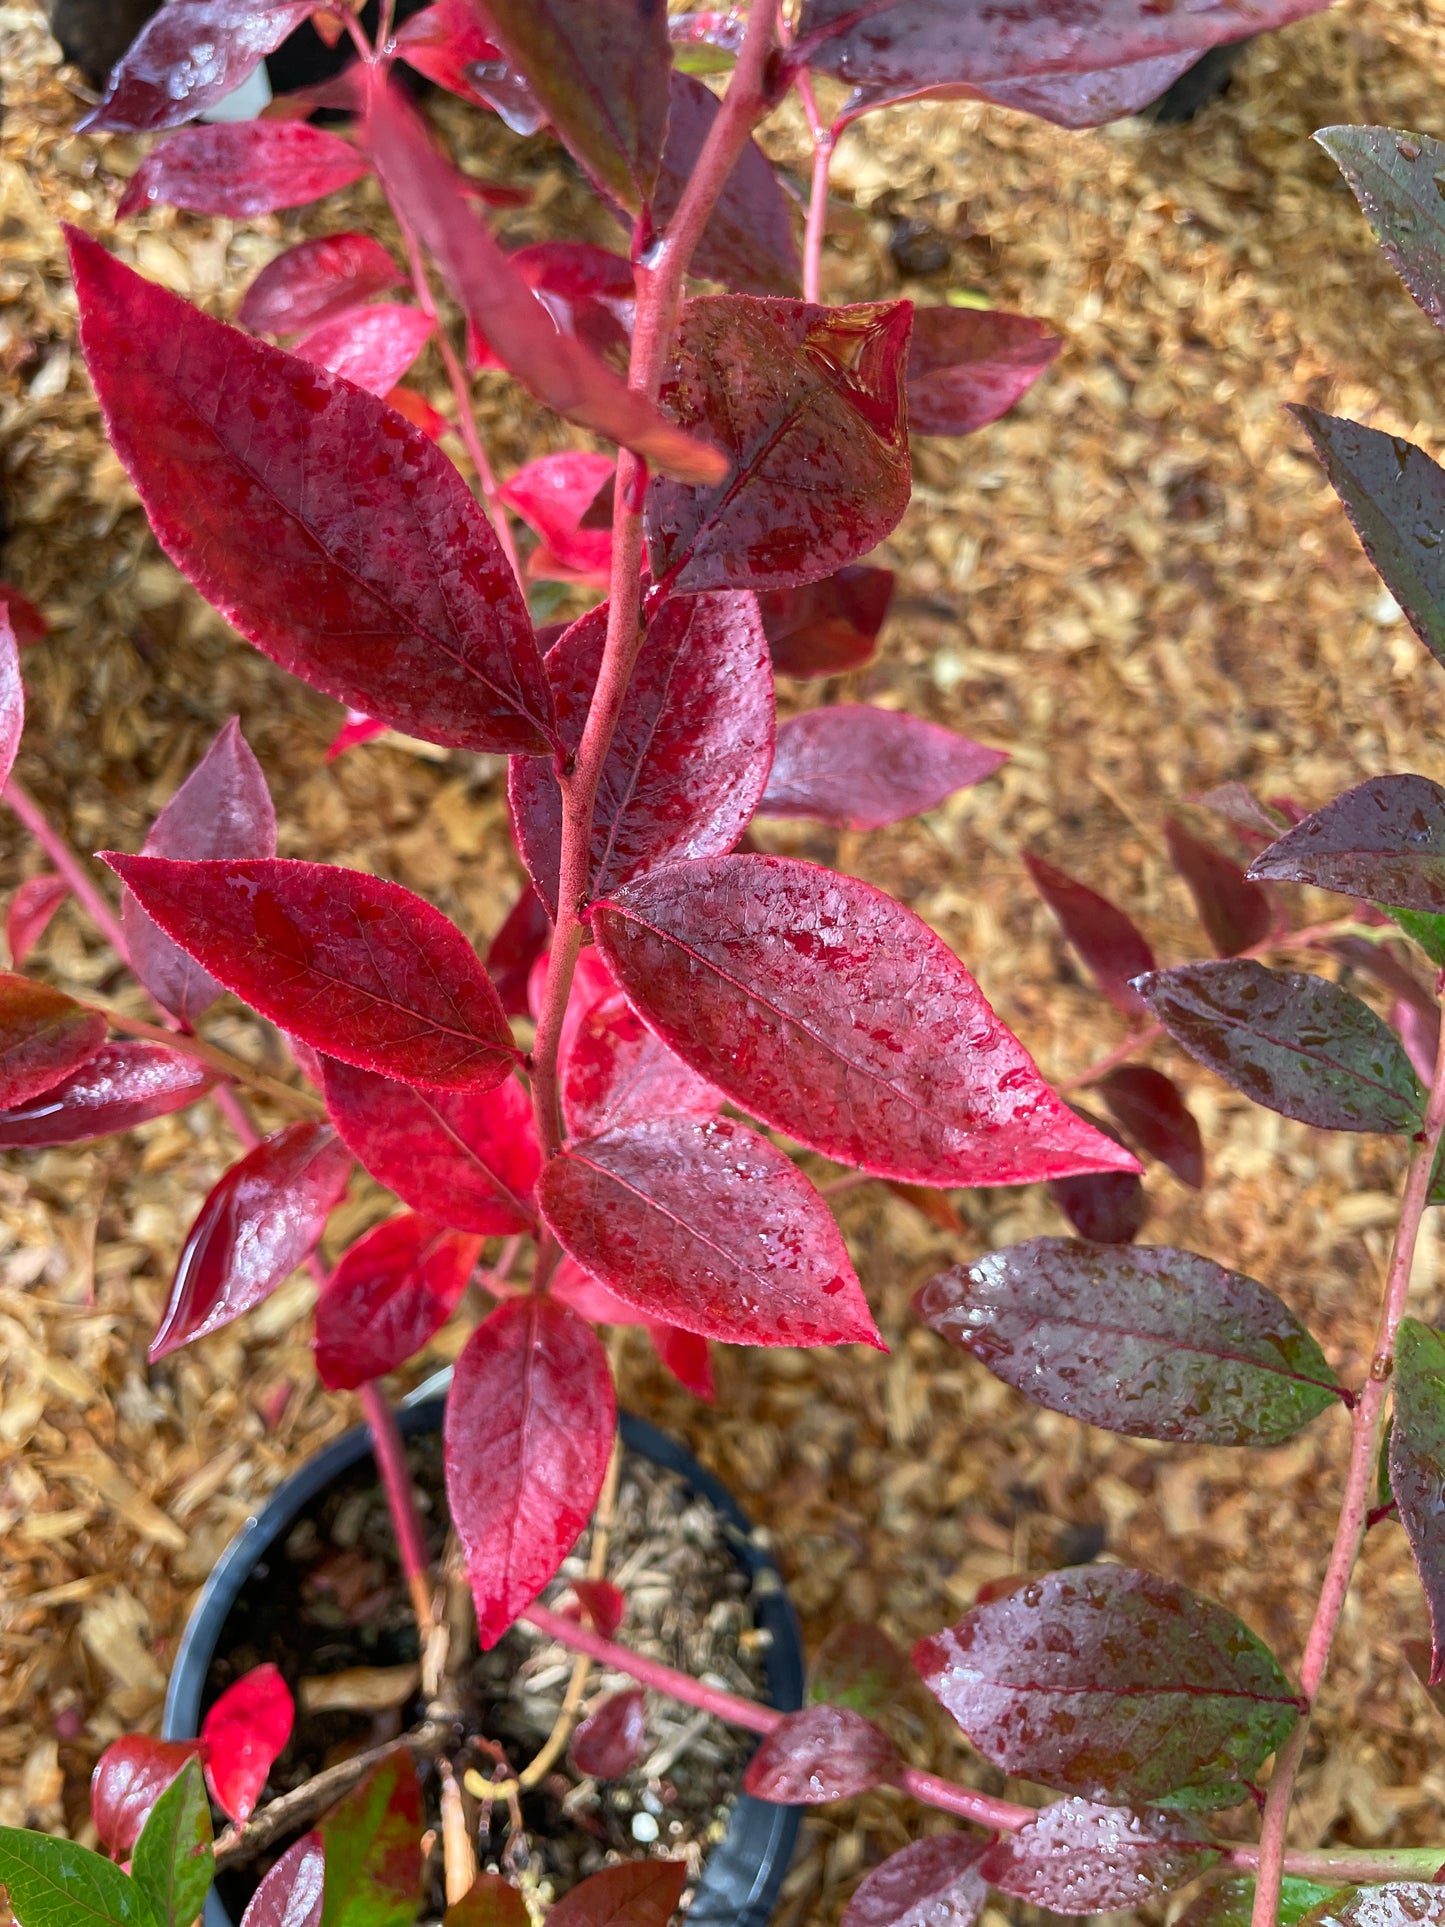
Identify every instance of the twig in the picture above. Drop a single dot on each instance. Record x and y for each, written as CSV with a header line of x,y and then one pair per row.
x,y
236,1069
390,1452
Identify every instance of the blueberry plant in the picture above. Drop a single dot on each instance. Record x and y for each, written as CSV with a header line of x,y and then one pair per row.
x,y
687,996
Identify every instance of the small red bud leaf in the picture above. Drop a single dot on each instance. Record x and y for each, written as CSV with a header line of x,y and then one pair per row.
x,y
687,1357
1417,1468
529,1427
968,366
1293,1043
808,405
1107,941
129,1777
447,43
353,965
858,767
44,1037
1078,1858
552,495
616,1073
242,168
263,1219
935,1882
243,1735
1115,1685
1384,840
12,694
388,1296
1393,177
34,903
522,939
639,1893
372,1843
1235,912
612,1740
710,1227
832,1012
162,80
315,281
748,241
290,1893
121,1086
1148,1106
819,1754
603,1603
372,347
827,628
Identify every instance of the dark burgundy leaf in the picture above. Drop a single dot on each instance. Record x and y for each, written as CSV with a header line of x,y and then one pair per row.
x,y
44,1037
447,43
25,619
129,1777
467,1160
617,1073
1384,839
827,628
223,809
242,168
1417,1468
262,1220
1235,912
1155,1343
1419,1032
707,1226
831,1012
1113,1684
612,1740
389,1295
1149,1107
935,1882
807,403
689,756
164,79
639,1893
529,1428
240,451
34,903
1395,497
353,965
858,767
315,281
1405,1903
1089,99
522,939
1291,1042
1395,177
687,1357
1078,1858
1113,950
372,1842
603,1604
552,494
372,347
12,695
121,1086
822,1753
243,1735
968,366
290,1893
1108,1207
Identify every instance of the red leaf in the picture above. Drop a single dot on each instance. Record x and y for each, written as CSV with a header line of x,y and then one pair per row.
x,y
290,1893
523,938
489,1902
242,168
933,1883
419,412
822,1753
162,80
552,495
1111,947
687,1357
639,1893
262,1220
858,767
1088,100
243,1735
240,451
1235,912
707,1226
447,43
392,1292
355,966
1149,1107
831,1012
44,1036
315,281
613,1737
34,903
1107,1207
467,1160
223,809
122,1085
129,1777
808,404
690,753
25,619
968,366
372,347
1077,1858
617,1073
588,291
558,370
603,1604
12,694
827,628
529,1427
357,729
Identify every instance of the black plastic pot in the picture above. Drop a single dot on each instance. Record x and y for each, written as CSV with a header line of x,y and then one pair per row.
x,y
744,1873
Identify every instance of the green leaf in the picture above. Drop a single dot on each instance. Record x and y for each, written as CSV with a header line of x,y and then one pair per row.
x,y
490,1901
1417,1466
54,1883
1230,1902
1396,178
372,1841
173,1863
1425,927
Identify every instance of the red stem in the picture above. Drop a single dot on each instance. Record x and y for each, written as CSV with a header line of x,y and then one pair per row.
x,y
69,866
818,191
386,1443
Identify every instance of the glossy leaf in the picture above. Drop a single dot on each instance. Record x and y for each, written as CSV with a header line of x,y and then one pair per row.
x,y
427,631
748,241
243,1735
1417,1468
807,403
515,949
830,1011
388,1296
490,1901
464,1159
263,1219
1235,912
353,965
616,1073
935,1882
44,1037
51,1883
819,1754
242,168
1404,1903
588,291
639,1893
12,695
222,809
1396,180
1230,1902
689,756
552,495
372,1843
858,767
1394,494
1293,1043
447,42
827,628
165,78
173,1861
968,366
1078,1858
612,1740
129,1777
316,281
291,1891
34,903
1384,839
1111,948
528,1431
1150,1109
372,347
1115,1685
1088,99
121,1086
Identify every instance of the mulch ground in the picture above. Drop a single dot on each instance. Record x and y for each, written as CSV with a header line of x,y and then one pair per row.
x,y
1138,584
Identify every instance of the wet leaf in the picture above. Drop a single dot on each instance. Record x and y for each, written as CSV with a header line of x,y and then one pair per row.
x,y
446,42
1235,912
859,768
1405,1903
372,1843
1077,1858
315,281
968,366
121,1086
44,1037
552,495
129,1777
1089,99
1417,1467
748,242
389,1295
1396,180
822,1753
1384,839
290,1893
372,347
1111,948
1150,1108
242,168
173,1861
588,291
612,1740
516,947
51,1883
935,1882
827,628
163,78
34,903
1229,1902
243,1735
616,1073
639,1893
